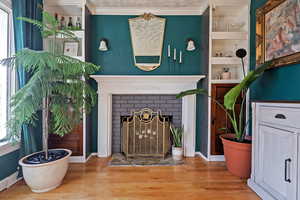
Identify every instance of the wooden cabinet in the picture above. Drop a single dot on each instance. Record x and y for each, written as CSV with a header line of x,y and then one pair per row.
x,y
275,155
219,119
72,141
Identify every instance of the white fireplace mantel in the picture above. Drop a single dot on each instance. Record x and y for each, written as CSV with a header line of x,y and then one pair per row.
x,y
109,85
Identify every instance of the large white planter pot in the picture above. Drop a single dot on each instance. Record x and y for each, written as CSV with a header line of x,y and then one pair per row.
x,y
177,153
47,176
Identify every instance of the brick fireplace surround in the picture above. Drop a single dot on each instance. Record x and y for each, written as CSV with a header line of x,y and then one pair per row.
x,y
122,105
109,85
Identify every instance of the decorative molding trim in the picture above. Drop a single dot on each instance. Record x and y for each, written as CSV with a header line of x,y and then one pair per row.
x,y
9,181
109,85
139,11
218,158
6,3
198,153
8,148
90,7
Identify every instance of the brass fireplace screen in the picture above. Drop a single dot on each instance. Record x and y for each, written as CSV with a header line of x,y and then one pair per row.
x,y
146,133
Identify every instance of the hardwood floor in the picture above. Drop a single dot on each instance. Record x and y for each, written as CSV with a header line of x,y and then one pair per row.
x,y
195,180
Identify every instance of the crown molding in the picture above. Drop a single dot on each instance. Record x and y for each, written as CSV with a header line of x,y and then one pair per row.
x,y
139,11
97,10
6,3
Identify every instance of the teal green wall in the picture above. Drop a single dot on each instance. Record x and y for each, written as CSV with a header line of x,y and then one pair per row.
x,y
8,164
119,59
276,84
202,100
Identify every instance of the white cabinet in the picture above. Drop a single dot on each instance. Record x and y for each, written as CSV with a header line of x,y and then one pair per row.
x,y
275,155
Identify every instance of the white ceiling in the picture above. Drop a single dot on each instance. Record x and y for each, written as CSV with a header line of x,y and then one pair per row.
x,y
172,7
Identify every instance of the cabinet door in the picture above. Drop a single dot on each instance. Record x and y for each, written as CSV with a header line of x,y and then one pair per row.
x,y
277,162
72,141
219,119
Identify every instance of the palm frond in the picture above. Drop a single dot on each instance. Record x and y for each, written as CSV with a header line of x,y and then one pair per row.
x,y
177,134
191,92
59,78
231,97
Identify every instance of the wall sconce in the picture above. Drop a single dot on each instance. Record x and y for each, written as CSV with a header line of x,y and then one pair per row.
x,y
103,45
190,45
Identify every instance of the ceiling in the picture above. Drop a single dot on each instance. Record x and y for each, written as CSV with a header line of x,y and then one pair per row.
x,y
156,6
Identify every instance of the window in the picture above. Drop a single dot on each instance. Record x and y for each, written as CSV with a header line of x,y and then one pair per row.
x,y
6,75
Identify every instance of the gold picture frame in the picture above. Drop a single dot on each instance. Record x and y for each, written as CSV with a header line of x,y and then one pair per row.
x,y
270,45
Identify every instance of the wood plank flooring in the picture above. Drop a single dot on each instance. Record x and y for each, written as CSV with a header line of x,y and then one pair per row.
x,y
195,180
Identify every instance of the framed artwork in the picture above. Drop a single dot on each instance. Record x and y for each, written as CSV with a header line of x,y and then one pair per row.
x,y
278,32
71,48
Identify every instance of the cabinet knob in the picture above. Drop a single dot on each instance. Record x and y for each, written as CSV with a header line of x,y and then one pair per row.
x,y
280,116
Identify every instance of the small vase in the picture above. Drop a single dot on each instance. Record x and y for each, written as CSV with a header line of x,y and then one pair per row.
x,y
226,75
177,153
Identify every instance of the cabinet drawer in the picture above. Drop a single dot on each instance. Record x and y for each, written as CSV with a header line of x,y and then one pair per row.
x,y
281,116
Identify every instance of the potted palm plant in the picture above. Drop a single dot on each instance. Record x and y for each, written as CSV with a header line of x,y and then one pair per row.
x,y
58,87
237,147
177,148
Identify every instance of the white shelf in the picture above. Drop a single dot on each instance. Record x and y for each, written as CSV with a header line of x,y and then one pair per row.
x,y
225,61
226,81
229,35
79,58
63,3
79,34
234,3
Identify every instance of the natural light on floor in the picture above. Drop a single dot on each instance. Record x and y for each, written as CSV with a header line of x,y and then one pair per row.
x,y
3,72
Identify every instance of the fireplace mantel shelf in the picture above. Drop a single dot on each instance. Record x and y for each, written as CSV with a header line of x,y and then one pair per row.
x,y
109,85
185,78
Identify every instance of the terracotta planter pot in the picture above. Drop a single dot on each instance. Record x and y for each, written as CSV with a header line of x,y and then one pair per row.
x,y
237,156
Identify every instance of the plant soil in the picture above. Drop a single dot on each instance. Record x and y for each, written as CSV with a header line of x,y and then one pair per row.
x,y
39,158
235,140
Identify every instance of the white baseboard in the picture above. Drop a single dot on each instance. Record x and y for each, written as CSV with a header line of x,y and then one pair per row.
x,y
219,158
81,159
9,181
102,156
92,154
77,159
201,155
259,191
